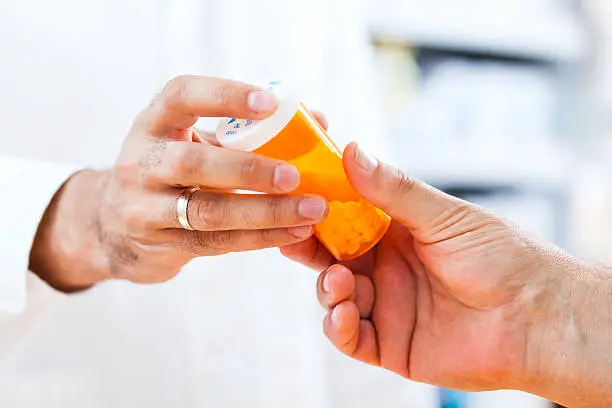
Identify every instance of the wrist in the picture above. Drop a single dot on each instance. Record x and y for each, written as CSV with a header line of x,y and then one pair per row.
x,y
568,336
66,253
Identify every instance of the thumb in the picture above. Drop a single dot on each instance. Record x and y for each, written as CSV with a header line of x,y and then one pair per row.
x,y
429,213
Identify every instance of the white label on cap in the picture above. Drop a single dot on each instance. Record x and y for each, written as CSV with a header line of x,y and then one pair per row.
x,y
248,135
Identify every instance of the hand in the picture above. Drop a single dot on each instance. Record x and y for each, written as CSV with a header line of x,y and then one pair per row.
x,y
452,296
123,224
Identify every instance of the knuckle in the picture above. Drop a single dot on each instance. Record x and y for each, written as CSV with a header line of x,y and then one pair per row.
x,y
223,93
150,159
461,212
124,175
268,238
176,90
147,220
453,221
221,240
210,211
469,216
275,210
249,218
185,162
132,219
403,183
249,170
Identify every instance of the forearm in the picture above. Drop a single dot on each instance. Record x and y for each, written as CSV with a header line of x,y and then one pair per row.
x,y
570,352
66,252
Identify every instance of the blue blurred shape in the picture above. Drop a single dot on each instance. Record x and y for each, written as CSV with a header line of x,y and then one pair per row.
x,y
453,399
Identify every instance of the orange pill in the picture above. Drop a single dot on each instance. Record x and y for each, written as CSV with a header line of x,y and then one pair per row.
x,y
292,134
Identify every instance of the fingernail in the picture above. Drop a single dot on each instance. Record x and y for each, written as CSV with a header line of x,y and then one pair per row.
x,y
286,177
335,316
326,287
365,161
301,232
262,101
312,208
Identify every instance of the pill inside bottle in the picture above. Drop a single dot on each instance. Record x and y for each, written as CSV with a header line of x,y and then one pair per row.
x,y
292,134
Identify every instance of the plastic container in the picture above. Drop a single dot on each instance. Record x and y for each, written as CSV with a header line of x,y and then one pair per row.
x,y
292,134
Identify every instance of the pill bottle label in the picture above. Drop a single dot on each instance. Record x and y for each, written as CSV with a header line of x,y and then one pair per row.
x,y
248,135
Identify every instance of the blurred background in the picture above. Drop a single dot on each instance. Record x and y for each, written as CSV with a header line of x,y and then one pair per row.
x,y
507,103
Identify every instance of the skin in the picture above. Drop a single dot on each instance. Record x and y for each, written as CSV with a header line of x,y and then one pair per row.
x,y
122,223
456,297
452,296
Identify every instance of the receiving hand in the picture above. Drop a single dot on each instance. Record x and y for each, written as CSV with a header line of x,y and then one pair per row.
x,y
446,298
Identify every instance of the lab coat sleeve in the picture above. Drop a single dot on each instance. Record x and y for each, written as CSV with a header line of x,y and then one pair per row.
x,y
26,189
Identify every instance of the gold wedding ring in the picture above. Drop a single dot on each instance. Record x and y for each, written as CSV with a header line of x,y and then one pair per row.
x,y
182,206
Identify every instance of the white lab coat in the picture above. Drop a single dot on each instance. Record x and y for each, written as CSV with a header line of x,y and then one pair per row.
x,y
242,330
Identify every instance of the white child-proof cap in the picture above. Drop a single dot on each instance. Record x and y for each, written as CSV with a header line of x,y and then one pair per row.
x,y
248,135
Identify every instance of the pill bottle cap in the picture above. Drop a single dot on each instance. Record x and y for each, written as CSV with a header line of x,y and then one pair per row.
x,y
248,135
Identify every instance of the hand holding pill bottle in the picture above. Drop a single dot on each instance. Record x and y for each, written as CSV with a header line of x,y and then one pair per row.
x,y
292,134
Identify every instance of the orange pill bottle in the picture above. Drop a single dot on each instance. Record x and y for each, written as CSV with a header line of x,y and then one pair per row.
x,y
292,134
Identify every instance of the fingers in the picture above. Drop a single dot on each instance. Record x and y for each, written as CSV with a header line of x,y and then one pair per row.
x,y
216,211
310,253
198,164
352,336
186,98
335,286
338,284
221,211
423,209
198,244
350,299
364,296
